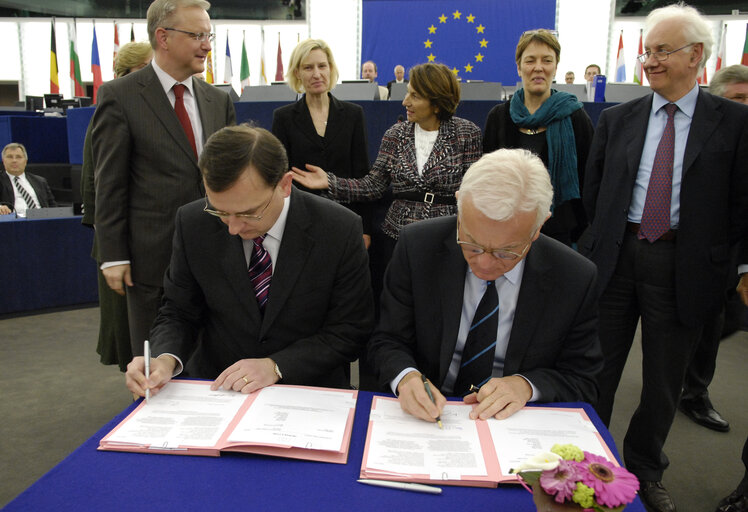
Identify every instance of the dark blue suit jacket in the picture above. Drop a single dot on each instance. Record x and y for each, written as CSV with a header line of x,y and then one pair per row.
x,y
553,342
39,184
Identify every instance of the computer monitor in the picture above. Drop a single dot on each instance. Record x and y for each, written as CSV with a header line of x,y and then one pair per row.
x,y
85,101
228,89
34,102
52,100
70,102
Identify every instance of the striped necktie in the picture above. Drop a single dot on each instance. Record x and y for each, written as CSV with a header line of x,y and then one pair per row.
x,y
30,203
260,271
478,355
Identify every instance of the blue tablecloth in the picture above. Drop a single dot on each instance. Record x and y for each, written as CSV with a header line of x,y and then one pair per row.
x,y
93,480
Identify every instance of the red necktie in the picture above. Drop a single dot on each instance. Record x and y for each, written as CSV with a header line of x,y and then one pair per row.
x,y
656,214
260,271
184,119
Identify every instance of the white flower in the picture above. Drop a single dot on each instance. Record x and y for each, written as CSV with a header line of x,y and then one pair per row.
x,y
540,462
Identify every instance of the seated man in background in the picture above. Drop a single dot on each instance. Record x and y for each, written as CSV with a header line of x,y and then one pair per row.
x,y
266,283
569,77
21,190
472,301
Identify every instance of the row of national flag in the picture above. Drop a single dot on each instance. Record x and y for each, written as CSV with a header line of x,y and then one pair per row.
x,y
228,70
75,69
639,67
75,72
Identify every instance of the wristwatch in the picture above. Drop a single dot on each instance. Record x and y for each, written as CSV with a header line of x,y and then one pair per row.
x,y
277,371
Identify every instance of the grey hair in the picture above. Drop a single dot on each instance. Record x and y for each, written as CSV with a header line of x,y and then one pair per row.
x,y
16,145
696,28
507,182
735,74
160,11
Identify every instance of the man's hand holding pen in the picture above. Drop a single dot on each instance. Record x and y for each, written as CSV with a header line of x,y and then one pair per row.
x,y
161,371
415,400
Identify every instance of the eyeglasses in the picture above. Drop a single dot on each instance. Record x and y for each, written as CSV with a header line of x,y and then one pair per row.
x,y
474,249
197,36
660,55
246,216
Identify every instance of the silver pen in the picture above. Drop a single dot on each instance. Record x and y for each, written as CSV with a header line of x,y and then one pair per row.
x,y
405,486
147,356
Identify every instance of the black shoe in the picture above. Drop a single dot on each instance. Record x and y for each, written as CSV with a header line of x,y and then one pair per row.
x,y
701,411
655,496
735,502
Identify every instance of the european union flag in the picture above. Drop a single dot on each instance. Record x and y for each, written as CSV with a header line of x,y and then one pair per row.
x,y
476,38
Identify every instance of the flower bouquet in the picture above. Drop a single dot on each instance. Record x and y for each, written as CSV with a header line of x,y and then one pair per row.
x,y
567,478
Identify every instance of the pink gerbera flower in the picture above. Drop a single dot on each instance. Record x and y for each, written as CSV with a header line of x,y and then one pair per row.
x,y
560,482
613,485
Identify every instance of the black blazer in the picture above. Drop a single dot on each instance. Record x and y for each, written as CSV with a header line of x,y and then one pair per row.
x,y
713,197
145,168
343,151
553,343
39,184
319,312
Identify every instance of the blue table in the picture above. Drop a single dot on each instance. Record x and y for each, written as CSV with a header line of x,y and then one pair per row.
x,y
92,480
46,263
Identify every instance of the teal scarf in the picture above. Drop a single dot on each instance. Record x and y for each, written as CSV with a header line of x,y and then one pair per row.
x,y
554,114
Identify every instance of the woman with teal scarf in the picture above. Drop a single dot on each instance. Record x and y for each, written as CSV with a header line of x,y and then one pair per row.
x,y
551,124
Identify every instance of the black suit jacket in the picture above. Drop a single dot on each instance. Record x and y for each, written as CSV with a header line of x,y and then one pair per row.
x,y
713,197
39,184
343,151
145,168
319,312
553,342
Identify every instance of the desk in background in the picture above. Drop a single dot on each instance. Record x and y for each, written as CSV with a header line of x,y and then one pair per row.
x,y
92,480
46,263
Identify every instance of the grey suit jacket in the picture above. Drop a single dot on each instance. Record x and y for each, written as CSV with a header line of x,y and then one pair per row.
x,y
145,168
39,184
553,343
713,197
319,312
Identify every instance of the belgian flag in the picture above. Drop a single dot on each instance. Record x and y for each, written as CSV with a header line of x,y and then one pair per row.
x,y
54,83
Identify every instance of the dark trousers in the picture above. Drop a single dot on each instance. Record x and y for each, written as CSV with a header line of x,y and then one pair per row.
x,y
143,302
643,286
700,371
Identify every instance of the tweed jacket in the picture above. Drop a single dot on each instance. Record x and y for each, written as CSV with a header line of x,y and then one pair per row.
x,y
457,147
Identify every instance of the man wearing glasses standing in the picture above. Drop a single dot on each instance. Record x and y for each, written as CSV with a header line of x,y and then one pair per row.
x,y
148,131
486,307
266,282
666,191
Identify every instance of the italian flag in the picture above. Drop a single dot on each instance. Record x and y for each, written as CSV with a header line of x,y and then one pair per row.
x,y
244,72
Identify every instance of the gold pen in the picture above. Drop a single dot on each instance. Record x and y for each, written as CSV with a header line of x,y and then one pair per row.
x,y
431,397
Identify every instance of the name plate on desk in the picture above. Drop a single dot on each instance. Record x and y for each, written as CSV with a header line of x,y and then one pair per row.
x,y
56,212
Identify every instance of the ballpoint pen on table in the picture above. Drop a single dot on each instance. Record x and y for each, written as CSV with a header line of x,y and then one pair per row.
x,y
405,486
147,357
431,397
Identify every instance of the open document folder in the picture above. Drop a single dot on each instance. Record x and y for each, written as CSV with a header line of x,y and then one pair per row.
x,y
468,452
187,418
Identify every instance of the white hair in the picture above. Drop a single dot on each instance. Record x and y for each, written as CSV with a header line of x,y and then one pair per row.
x,y
507,182
696,28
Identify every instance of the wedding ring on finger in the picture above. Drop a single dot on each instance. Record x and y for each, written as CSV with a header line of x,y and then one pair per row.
x,y
245,380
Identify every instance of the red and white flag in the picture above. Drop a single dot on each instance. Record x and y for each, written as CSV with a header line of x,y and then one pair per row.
x,y
116,45
721,53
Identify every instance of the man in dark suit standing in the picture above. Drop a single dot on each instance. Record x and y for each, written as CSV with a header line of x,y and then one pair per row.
x,y
21,190
266,283
148,131
472,301
667,193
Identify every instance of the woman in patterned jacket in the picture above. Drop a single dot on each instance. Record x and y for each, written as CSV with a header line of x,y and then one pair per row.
x,y
423,159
